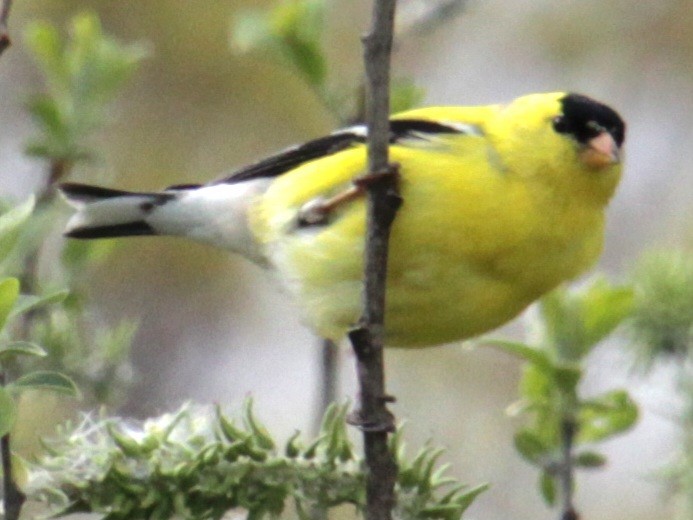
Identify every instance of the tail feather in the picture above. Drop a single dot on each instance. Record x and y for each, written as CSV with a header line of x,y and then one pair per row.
x,y
130,229
213,214
104,212
79,194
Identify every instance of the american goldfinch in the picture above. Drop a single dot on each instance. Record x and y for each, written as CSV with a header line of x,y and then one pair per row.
x,y
501,204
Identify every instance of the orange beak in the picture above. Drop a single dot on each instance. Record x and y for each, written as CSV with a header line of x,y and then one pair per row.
x,y
601,151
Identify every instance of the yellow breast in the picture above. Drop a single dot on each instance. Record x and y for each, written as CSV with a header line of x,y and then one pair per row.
x,y
472,245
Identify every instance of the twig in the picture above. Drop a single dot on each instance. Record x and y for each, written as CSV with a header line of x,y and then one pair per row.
x,y
329,369
373,417
565,474
5,41
13,497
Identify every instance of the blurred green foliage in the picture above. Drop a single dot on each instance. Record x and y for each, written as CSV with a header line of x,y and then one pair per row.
x,y
661,333
82,74
196,464
570,324
662,323
13,307
292,33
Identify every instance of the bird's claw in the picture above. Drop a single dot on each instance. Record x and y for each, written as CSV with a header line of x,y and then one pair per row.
x,y
316,211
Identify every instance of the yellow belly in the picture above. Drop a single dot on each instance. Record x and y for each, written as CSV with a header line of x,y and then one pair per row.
x,y
468,251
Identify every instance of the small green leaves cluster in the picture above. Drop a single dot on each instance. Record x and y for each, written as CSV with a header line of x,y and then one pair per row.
x,y
661,330
292,33
420,480
82,74
197,463
662,323
570,324
13,305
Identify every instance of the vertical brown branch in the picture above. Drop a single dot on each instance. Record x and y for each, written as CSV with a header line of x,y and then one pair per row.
x,y
5,41
13,497
383,201
566,468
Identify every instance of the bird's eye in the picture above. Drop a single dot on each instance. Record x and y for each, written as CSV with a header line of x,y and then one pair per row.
x,y
559,124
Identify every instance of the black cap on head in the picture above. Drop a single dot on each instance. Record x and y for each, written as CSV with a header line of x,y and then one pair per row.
x,y
585,119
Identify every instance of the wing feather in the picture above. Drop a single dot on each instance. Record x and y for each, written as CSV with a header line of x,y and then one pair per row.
x,y
403,131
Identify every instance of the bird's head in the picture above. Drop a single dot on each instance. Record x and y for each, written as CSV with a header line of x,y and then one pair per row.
x,y
575,141
596,129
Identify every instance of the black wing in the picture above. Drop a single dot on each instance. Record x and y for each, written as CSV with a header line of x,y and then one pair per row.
x,y
275,165
286,160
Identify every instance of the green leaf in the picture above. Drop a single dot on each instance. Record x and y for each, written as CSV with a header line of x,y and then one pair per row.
x,y
126,443
307,58
43,40
531,447
530,354
575,321
11,224
8,411
567,377
562,324
604,307
535,385
291,31
590,459
228,429
299,25
27,302
82,72
21,348
48,115
46,380
606,416
293,446
441,511
466,498
9,292
260,434
547,486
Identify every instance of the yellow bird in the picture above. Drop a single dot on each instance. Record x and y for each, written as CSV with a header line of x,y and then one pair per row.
x,y
501,204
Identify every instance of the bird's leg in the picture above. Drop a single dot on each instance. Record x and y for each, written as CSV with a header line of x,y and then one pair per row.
x,y
364,181
316,211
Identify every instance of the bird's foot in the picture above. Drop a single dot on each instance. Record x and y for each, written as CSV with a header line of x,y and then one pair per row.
x,y
316,211
389,174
